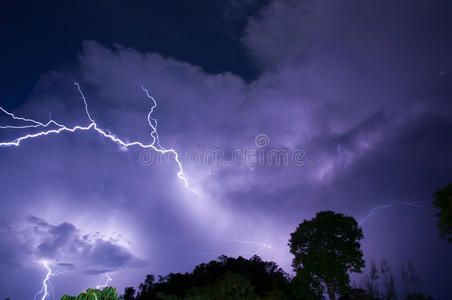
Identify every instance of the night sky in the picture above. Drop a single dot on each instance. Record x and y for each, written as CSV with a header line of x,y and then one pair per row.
x,y
356,93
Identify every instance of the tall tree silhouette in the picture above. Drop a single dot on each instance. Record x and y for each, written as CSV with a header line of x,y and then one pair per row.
x,y
443,202
327,249
389,289
411,282
371,283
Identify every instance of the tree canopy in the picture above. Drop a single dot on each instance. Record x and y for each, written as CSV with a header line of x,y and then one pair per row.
x,y
326,249
224,278
443,202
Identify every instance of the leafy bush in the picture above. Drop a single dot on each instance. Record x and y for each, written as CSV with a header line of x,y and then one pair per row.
x,y
108,293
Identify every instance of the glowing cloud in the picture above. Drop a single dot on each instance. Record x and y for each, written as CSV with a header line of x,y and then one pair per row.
x,y
155,145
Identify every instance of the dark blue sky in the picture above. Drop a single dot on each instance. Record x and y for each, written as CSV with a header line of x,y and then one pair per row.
x,y
48,35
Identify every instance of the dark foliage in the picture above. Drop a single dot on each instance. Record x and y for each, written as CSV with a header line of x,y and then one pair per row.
x,y
358,294
443,202
417,296
326,249
129,293
264,278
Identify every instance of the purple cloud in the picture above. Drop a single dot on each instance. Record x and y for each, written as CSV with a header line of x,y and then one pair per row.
x,y
372,122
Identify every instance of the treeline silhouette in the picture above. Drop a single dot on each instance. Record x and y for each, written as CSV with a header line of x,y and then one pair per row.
x,y
326,251
240,278
225,278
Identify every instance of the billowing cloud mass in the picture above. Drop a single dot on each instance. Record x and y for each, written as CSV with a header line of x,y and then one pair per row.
x,y
65,244
348,114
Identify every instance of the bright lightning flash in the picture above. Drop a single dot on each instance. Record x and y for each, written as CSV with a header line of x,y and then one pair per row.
x,y
375,210
45,283
107,281
155,145
261,245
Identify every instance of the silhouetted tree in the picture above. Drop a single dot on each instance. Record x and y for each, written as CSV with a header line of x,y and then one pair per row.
x,y
129,293
328,248
257,277
146,289
230,286
443,202
411,282
358,294
371,282
389,292
417,296
304,286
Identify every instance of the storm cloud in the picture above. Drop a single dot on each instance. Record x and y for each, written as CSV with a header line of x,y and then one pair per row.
x,y
367,104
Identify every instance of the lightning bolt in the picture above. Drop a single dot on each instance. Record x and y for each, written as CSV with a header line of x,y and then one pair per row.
x,y
44,291
107,281
155,145
374,211
46,284
261,245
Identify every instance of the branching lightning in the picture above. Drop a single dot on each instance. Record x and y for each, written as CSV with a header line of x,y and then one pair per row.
x,y
46,284
155,145
44,291
375,210
107,281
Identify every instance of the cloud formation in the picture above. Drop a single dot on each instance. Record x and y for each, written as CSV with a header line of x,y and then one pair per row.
x,y
372,122
66,247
